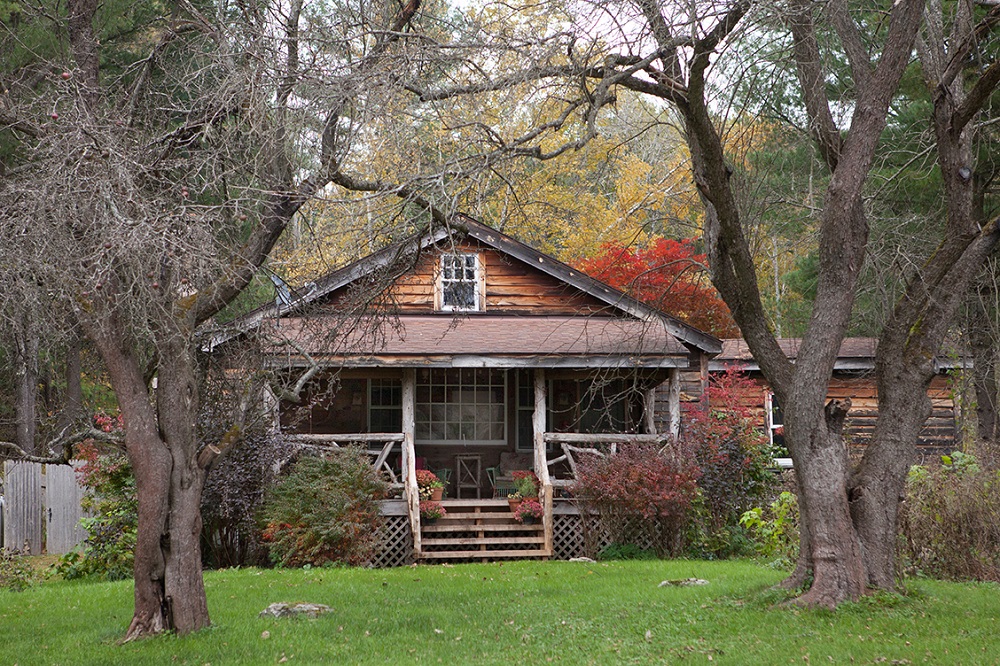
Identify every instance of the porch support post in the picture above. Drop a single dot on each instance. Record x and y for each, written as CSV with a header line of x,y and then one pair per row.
x,y
674,402
649,410
272,411
410,491
541,460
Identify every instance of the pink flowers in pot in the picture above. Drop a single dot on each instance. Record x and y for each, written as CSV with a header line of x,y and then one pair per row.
x,y
530,510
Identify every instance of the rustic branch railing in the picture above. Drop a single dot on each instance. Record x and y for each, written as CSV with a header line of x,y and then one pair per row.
x,y
567,440
380,455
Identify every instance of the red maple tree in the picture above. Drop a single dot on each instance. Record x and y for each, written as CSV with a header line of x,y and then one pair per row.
x,y
669,275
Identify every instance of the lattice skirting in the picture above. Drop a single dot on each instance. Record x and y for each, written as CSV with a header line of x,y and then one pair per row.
x,y
573,535
394,543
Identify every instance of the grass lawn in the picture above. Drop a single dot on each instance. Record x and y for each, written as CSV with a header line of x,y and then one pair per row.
x,y
524,612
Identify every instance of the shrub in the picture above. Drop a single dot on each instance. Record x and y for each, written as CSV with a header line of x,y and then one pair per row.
x,y
776,531
525,483
110,500
625,551
15,573
324,510
734,460
639,493
950,520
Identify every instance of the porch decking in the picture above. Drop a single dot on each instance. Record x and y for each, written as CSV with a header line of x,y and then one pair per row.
x,y
481,529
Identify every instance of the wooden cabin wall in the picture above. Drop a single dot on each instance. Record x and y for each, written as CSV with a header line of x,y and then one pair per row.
x,y
937,436
694,388
511,286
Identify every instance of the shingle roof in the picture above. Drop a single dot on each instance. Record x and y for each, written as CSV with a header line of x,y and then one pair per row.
x,y
494,340
736,349
463,224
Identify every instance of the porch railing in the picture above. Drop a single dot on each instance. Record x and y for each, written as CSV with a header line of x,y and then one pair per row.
x,y
573,445
370,440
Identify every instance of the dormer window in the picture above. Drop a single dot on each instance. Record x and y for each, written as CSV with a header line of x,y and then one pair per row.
x,y
460,282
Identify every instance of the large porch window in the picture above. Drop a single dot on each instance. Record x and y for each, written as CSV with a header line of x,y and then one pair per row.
x,y
461,406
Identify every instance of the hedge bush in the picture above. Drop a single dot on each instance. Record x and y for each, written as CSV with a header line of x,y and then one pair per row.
x,y
950,521
324,510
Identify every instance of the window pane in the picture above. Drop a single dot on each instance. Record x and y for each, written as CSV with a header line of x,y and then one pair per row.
x,y
465,405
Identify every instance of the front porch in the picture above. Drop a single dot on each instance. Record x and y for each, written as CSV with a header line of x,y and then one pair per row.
x,y
483,531
479,524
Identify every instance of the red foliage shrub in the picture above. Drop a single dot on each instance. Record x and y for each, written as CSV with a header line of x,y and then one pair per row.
x,y
733,455
640,490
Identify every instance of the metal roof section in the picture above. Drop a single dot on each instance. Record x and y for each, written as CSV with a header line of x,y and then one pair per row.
x,y
855,355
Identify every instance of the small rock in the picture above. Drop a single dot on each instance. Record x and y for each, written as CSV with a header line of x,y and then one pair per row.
x,y
582,559
684,582
286,609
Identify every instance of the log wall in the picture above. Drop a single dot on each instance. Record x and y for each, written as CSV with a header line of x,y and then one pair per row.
x,y
937,436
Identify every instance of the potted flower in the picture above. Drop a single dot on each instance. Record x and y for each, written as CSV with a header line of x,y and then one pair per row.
x,y
514,501
431,511
526,484
529,512
429,485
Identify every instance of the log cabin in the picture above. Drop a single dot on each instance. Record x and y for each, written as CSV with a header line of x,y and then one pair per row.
x,y
466,352
854,378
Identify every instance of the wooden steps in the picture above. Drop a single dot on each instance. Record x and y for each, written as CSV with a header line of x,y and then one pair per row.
x,y
480,530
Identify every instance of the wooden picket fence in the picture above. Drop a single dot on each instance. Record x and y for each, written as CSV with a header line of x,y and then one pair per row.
x,y
41,508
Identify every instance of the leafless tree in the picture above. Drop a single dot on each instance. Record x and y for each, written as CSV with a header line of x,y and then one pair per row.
x,y
150,173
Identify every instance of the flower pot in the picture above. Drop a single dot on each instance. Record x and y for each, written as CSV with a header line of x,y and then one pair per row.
x,y
437,494
428,521
529,520
513,504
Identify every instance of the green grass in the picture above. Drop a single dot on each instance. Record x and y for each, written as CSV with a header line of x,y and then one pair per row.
x,y
525,612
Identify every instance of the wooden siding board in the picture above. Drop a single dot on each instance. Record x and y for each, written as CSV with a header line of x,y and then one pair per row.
x,y
510,286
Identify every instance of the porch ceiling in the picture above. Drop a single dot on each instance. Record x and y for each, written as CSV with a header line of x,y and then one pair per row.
x,y
477,340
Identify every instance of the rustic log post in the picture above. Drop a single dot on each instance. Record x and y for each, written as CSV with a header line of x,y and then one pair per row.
x,y
541,461
271,411
410,491
649,410
674,402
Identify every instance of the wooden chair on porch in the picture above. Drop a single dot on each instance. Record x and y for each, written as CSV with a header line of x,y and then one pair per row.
x,y
468,474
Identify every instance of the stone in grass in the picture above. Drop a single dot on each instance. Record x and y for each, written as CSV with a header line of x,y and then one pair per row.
x,y
582,559
684,582
294,609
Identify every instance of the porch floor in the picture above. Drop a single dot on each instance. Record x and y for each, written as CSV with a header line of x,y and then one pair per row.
x,y
480,530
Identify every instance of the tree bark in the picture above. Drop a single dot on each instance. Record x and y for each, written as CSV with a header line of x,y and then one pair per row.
x,y
910,340
834,550
984,377
27,386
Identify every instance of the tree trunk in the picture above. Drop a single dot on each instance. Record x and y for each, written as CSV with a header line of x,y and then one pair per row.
x,y
162,447
27,387
177,405
834,552
72,407
877,487
982,332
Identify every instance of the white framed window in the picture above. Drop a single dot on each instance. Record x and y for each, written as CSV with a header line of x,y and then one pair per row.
x,y
459,282
385,405
461,406
776,430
